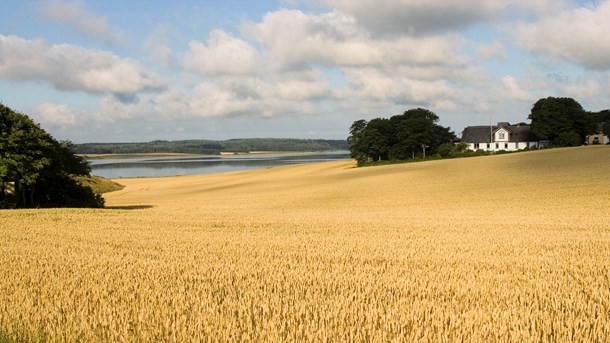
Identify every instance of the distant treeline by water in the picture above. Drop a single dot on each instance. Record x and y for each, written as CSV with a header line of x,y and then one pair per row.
x,y
212,147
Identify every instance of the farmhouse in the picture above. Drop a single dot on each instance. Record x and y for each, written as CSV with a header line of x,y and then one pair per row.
x,y
503,136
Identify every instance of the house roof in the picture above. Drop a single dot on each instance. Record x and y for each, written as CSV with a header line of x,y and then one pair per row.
x,y
482,134
477,134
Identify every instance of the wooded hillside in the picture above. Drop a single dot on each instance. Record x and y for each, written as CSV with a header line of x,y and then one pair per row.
x,y
212,147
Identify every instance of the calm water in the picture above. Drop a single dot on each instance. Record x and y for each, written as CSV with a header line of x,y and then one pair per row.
x,y
171,166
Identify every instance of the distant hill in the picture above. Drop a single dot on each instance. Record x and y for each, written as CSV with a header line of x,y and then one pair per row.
x,y
212,147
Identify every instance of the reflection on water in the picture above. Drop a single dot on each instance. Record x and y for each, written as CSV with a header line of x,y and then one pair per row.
x,y
170,166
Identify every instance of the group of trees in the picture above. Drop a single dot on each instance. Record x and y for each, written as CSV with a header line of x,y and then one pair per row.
x,y
405,136
38,171
564,122
212,147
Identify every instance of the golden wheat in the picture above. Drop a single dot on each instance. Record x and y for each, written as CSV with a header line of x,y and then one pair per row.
x,y
502,248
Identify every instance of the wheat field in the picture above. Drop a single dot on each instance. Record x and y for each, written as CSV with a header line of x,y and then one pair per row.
x,y
507,248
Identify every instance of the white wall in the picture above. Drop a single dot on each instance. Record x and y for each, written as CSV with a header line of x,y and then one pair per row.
x,y
512,146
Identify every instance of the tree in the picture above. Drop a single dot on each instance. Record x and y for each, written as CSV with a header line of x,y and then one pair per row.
x,y
568,138
416,130
400,137
356,142
38,168
561,121
606,129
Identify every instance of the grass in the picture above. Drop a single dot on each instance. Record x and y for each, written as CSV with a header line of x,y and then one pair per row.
x,y
99,184
503,248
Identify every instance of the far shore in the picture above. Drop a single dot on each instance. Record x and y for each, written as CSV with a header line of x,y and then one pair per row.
x,y
151,154
177,154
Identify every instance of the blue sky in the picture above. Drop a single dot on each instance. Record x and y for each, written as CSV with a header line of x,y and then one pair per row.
x,y
139,70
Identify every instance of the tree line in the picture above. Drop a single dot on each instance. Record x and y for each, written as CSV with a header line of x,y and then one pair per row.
x,y
212,147
38,171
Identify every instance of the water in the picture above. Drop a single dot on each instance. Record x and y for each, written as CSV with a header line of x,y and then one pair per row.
x,y
203,164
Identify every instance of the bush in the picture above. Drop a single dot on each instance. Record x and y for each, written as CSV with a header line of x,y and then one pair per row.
x,y
445,150
569,138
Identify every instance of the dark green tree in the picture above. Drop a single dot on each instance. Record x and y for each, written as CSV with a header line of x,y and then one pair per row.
x,y
356,141
400,137
606,129
560,120
416,130
36,170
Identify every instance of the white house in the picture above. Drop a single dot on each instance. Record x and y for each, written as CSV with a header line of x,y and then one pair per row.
x,y
501,137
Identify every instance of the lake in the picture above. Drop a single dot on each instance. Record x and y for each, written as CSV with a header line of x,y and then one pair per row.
x,y
203,164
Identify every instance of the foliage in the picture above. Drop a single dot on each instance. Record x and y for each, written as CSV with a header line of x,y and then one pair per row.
x,y
606,129
562,121
211,147
449,150
567,138
406,136
36,170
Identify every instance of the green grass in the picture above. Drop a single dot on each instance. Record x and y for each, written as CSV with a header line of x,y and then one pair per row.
x,y
99,184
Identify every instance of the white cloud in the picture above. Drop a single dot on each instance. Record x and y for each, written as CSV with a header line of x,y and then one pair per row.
x,y
378,85
57,114
74,14
494,49
578,35
254,96
513,90
73,68
227,96
293,39
224,54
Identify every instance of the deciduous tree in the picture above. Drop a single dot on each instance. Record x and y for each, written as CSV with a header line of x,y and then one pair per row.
x,y
38,167
560,120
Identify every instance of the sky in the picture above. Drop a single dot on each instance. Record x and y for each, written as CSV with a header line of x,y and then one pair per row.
x,y
141,70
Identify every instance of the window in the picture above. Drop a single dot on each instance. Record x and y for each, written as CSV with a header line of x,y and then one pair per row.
x,y
476,145
505,145
488,145
497,145
501,135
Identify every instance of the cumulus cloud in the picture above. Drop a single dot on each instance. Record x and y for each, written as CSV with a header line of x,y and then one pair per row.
x,y
293,39
227,96
513,90
75,15
73,68
578,35
223,54
494,49
59,116
416,17
375,84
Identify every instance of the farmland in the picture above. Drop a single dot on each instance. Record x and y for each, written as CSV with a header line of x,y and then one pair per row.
x,y
499,248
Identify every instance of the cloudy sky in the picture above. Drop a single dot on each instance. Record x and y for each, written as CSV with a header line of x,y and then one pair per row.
x,y
139,70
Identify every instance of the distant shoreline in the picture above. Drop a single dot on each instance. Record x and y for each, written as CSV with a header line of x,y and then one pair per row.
x,y
177,154
134,155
